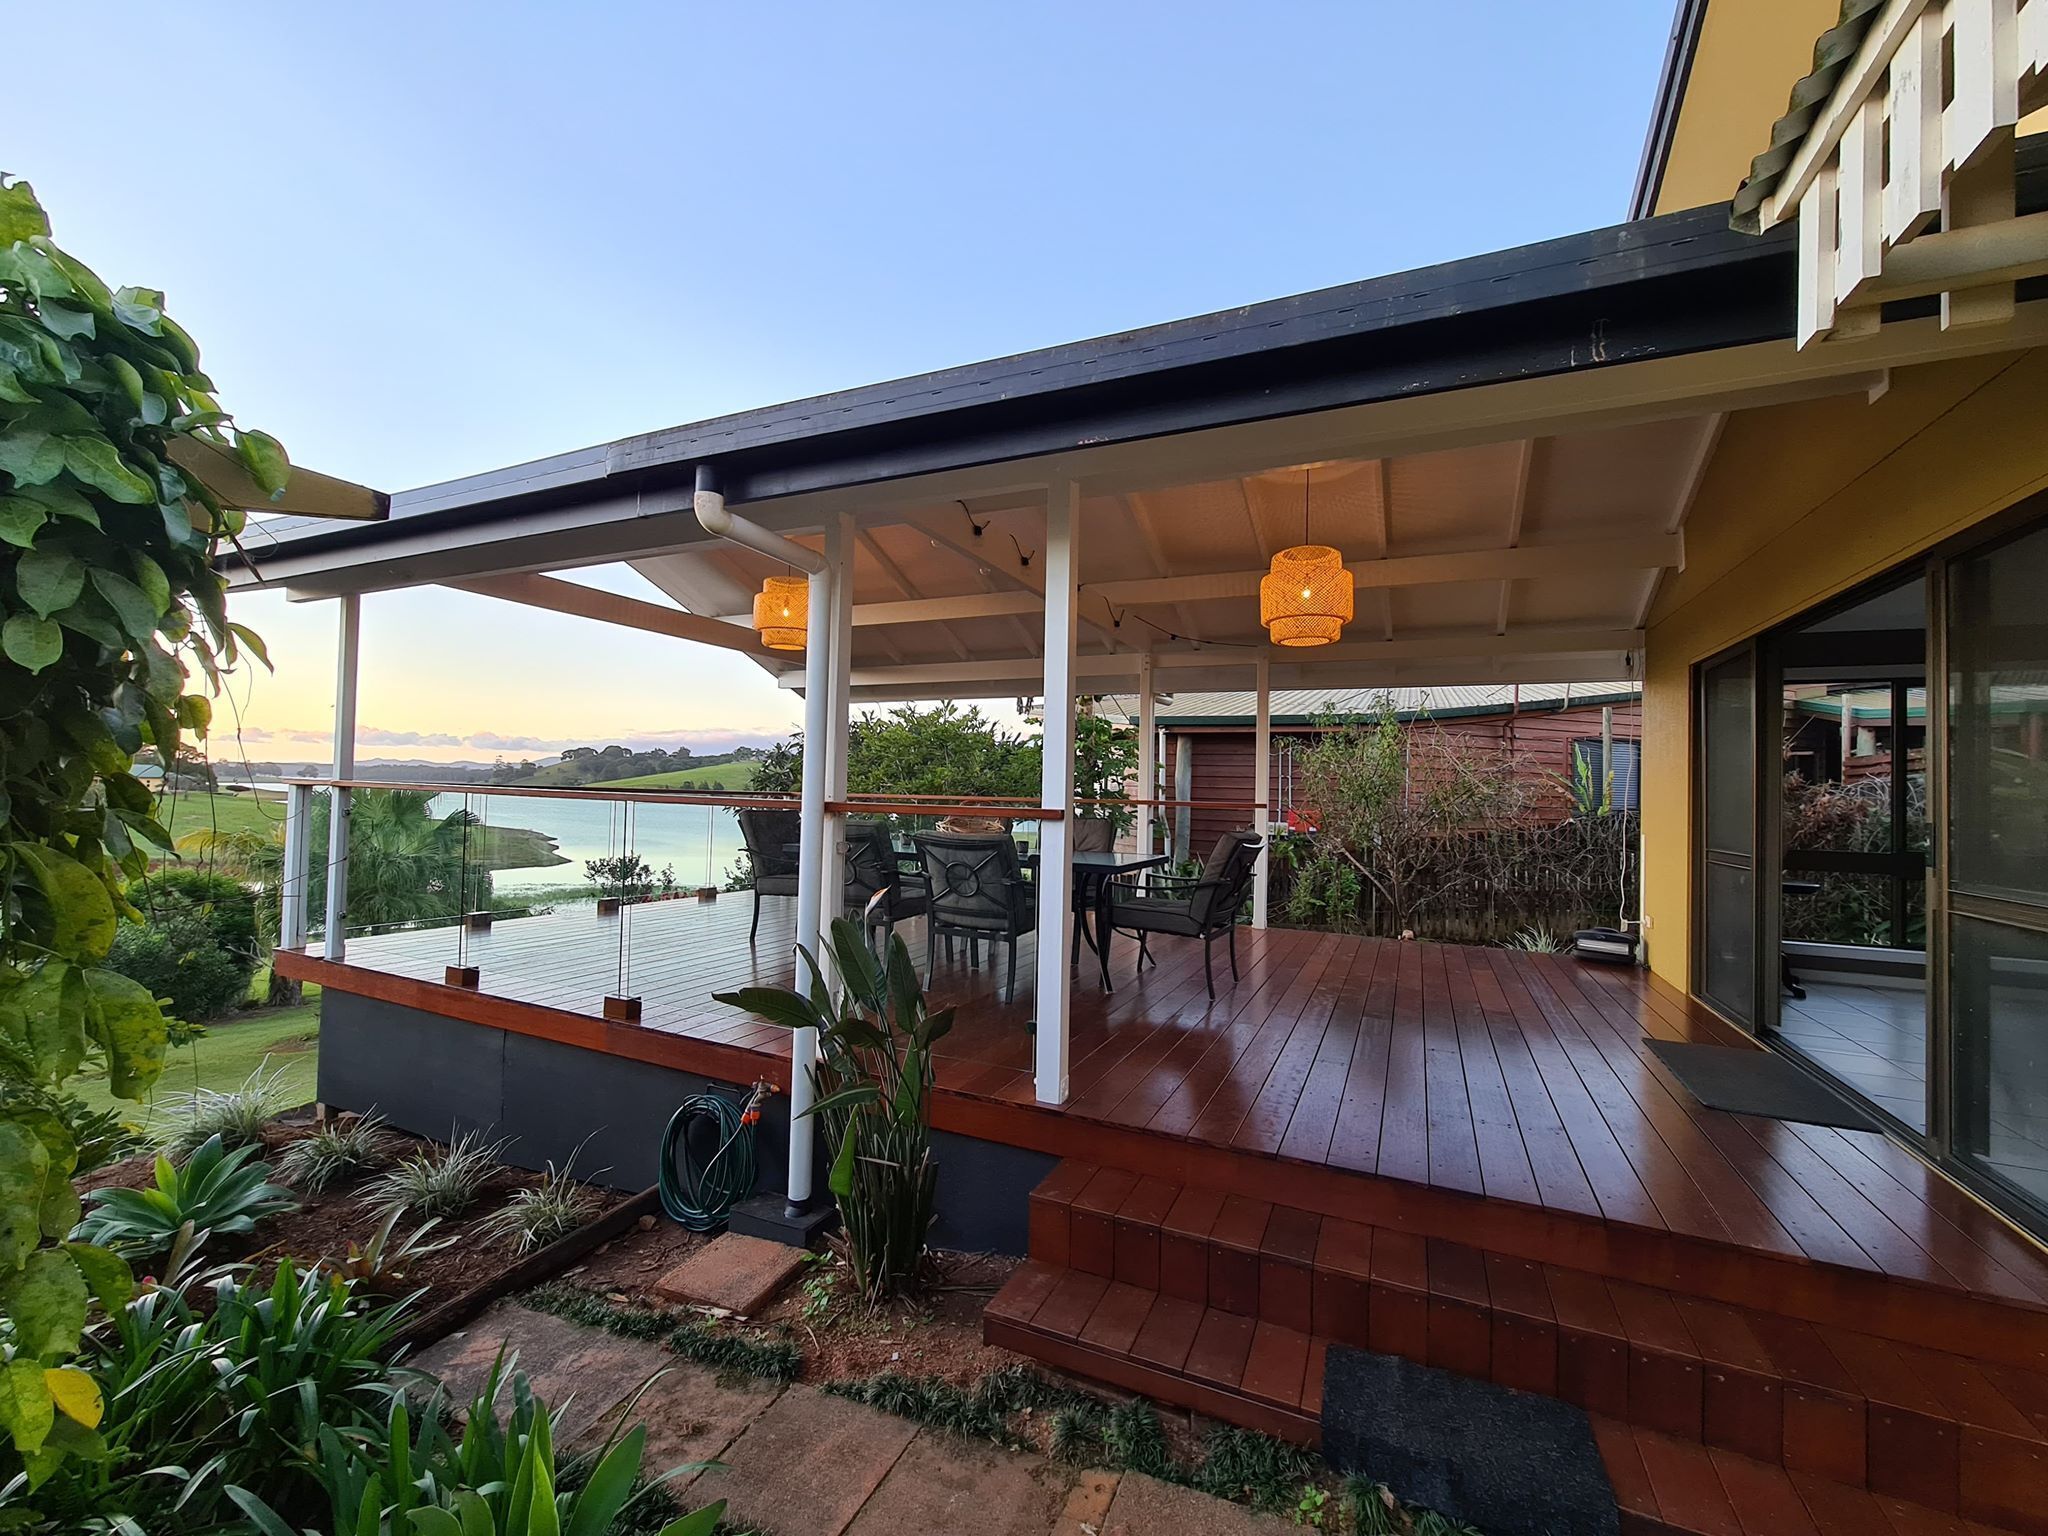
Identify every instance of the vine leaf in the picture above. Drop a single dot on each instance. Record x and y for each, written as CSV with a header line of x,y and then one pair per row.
x,y
31,643
49,579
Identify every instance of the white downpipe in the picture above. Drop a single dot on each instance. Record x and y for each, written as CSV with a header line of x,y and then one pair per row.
x,y
1056,792
709,505
1262,791
1148,756
347,643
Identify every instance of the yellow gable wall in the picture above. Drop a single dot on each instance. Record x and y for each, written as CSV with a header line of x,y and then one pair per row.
x,y
1802,502
1750,52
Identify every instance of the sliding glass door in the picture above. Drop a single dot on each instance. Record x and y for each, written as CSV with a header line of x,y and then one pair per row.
x,y
1997,862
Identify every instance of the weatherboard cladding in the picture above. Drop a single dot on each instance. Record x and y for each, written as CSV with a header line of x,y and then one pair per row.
x,y
1311,706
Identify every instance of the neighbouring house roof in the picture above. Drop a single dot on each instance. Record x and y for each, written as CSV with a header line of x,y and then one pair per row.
x,y
1309,706
1664,109
1832,53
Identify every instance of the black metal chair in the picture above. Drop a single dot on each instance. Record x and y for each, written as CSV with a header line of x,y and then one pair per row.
x,y
1198,907
768,836
976,889
872,871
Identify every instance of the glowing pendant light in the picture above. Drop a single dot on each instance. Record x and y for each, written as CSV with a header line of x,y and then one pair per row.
x,y
782,611
1306,596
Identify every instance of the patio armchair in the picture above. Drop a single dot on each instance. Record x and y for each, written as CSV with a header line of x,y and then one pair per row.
x,y
768,836
880,893
1193,907
976,889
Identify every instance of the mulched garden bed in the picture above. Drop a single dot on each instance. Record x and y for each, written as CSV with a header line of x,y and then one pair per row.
x,y
459,1279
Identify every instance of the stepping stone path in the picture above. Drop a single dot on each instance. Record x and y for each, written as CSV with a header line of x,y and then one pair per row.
x,y
796,1462
732,1272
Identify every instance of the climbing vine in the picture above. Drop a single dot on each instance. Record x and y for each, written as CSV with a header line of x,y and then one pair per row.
x,y
109,602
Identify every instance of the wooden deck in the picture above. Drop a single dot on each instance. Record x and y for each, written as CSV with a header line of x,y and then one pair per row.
x,y
1424,1086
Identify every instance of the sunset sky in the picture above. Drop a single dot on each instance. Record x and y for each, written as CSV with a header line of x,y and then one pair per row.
x,y
417,242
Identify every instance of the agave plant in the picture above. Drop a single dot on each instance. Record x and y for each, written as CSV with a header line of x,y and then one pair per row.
x,y
874,1097
216,1191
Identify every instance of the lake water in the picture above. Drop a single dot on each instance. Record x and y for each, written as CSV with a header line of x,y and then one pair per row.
x,y
700,842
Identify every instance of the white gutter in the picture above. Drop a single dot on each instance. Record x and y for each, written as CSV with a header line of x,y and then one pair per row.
x,y
709,505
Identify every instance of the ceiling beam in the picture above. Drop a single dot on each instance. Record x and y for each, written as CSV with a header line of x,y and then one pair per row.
x,y
1449,645
894,574
1518,507
1025,578
558,596
1649,552
1690,480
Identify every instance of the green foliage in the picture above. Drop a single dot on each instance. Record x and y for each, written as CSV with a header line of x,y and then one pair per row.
x,y
226,904
723,1347
439,1181
346,1147
405,865
873,1088
496,1476
235,1117
107,593
627,874
1538,940
916,753
231,1390
178,955
1105,760
217,1191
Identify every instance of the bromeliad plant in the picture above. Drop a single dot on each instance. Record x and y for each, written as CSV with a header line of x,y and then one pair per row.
x,y
874,1097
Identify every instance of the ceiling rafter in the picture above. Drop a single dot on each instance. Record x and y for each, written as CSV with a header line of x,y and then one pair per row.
x,y
1690,481
1518,508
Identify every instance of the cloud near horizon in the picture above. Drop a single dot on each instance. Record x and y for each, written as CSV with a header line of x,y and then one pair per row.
x,y
711,739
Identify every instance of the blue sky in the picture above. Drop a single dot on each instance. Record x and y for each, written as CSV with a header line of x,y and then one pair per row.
x,y
417,241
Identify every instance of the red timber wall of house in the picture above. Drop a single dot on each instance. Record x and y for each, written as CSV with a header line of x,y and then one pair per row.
x,y
1540,738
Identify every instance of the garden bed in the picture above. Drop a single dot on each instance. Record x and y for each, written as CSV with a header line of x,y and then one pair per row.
x,y
472,1270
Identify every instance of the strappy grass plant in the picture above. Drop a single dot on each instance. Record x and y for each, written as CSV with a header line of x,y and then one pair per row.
x,y
541,1213
237,1117
440,1181
344,1148
873,1097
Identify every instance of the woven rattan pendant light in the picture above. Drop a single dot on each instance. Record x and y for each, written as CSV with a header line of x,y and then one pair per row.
x,y
782,611
1306,596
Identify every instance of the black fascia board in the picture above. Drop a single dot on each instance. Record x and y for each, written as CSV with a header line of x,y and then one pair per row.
x,y
1659,287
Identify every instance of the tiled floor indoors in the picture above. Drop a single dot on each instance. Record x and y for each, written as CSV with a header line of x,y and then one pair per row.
x,y
1871,1032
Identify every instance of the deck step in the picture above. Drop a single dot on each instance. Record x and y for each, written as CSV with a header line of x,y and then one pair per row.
x,y
1259,1285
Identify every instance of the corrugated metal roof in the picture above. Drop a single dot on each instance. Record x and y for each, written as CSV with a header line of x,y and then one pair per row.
x,y
1832,52
1302,706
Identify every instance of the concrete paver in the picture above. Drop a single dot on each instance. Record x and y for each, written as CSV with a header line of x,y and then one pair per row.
x,y
1144,1506
806,1465
579,1372
943,1485
737,1273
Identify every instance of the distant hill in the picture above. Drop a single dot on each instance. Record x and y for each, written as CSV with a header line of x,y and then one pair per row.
x,y
733,776
585,767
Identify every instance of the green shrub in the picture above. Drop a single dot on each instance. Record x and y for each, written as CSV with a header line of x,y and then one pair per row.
x,y
226,904
216,1191
178,955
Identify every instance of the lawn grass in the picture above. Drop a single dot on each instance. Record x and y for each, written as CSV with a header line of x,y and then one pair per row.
x,y
730,776
223,1058
185,811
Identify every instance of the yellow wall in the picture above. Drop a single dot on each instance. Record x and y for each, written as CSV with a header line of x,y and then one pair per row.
x,y
1800,503
1749,55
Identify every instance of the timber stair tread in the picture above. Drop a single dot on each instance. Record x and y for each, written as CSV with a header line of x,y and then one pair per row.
x,y
1227,1304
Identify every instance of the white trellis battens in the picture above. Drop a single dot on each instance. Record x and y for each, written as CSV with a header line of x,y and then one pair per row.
x,y
1903,186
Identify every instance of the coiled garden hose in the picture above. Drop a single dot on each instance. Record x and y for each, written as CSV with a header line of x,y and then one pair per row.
x,y
707,1157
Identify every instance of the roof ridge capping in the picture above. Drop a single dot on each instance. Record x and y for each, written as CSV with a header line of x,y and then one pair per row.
x,y
1832,52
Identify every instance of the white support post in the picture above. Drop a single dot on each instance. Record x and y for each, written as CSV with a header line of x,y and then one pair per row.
x,y
839,704
1262,790
810,876
291,893
346,644
1148,756
1056,792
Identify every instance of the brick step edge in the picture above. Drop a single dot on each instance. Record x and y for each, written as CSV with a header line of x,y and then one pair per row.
x,y
1664,1485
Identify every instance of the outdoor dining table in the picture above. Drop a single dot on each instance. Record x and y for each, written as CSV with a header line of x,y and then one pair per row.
x,y
1092,874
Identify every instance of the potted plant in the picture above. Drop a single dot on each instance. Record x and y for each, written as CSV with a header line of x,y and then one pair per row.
x,y
1105,757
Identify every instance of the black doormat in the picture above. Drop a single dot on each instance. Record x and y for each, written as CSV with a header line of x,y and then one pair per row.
x,y
1751,1082
1510,1463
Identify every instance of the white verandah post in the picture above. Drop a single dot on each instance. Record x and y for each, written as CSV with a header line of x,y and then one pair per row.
x,y
803,1045
347,639
1056,793
1148,756
1262,791
838,710
291,885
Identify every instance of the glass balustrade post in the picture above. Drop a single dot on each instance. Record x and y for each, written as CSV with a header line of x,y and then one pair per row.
x,y
464,972
621,1006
